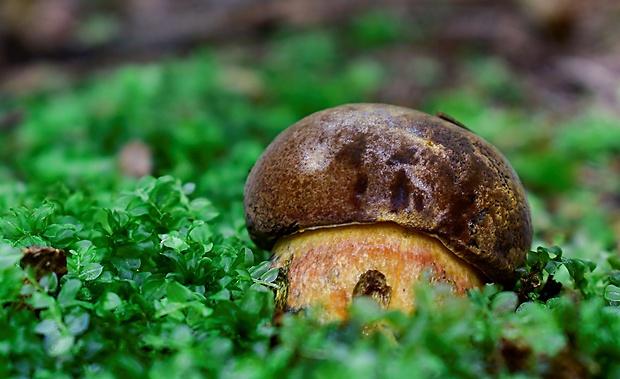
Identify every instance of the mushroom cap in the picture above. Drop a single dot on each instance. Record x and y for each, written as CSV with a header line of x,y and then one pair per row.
x,y
369,163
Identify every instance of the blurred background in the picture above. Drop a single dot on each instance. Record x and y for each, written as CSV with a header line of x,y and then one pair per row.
x,y
561,47
95,93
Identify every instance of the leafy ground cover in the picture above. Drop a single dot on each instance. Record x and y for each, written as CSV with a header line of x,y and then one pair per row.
x,y
162,280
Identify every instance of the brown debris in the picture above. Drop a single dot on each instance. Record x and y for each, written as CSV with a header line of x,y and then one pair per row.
x,y
45,260
517,356
567,365
136,159
42,26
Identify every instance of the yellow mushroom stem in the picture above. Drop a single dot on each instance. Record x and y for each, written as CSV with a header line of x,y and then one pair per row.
x,y
326,268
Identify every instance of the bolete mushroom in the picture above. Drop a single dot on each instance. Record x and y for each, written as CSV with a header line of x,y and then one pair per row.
x,y
362,199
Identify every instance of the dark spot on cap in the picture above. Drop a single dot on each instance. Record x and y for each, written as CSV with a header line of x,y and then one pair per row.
x,y
474,220
401,190
360,187
353,152
404,156
418,202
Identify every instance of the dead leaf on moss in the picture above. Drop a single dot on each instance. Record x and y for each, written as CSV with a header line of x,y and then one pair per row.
x,y
44,260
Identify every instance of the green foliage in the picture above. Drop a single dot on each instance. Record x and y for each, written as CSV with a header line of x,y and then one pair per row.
x,y
148,277
542,265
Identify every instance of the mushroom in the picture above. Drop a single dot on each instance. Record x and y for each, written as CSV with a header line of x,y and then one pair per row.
x,y
368,199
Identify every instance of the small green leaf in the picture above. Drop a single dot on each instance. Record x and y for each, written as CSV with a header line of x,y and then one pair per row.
x,y
270,276
85,247
77,325
258,271
154,287
111,301
203,209
91,271
58,344
248,256
578,270
177,293
12,283
199,232
223,294
505,302
614,262
164,307
58,233
9,256
41,217
101,218
40,300
46,327
49,282
612,294
11,227
173,242
197,312
614,277
139,206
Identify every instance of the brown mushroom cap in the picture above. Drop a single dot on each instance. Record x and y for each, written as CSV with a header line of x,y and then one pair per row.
x,y
368,163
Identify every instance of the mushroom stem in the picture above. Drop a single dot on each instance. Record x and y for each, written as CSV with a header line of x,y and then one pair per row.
x,y
327,267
